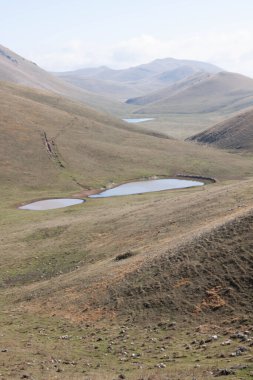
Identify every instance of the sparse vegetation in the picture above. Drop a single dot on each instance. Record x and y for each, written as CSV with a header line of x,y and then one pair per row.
x,y
153,287
124,256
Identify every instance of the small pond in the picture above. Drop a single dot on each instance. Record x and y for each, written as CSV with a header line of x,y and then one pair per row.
x,y
147,187
138,120
50,204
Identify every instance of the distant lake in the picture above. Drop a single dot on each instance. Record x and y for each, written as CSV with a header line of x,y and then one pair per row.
x,y
138,120
50,204
140,187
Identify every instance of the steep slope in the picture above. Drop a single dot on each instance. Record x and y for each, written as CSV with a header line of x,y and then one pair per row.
x,y
211,273
16,69
234,133
223,92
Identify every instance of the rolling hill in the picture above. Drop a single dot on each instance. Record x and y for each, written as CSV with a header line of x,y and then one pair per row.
x,y
234,133
177,88
18,70
88,147
223,92
117,287
138,80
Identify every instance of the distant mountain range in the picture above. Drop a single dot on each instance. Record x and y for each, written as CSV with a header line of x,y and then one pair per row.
x,y
163,87
138,80
169,87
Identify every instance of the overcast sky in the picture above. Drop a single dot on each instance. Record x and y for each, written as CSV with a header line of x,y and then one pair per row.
x,y
69,34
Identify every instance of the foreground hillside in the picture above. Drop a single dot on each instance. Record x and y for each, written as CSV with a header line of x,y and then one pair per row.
x,y
234,133
75,309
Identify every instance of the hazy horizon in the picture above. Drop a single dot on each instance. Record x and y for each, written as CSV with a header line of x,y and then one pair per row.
x,y
64,35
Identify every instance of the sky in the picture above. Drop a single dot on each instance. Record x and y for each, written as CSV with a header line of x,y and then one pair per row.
x,y
61,35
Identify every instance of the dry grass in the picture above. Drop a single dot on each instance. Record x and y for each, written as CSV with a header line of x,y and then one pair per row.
x,y
82,242
223,92
61,287
235,133
18,70
94,149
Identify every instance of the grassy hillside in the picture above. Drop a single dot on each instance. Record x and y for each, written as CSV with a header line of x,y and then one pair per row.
x,y
223,92
235,133
73,310
89,148
170,90
130,287
18,70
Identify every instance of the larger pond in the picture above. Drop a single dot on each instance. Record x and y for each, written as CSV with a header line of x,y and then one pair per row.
x,y
147,187
50,204
134,121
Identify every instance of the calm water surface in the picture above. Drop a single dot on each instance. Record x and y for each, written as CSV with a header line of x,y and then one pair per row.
x,y
138,120
147,187
50,204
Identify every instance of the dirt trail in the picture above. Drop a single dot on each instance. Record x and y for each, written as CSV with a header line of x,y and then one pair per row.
x,y
52,149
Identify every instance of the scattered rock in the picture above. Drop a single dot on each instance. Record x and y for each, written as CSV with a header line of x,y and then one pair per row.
x,y
135,355
226,342
223,372
161,365
243,337
239,366
124,256
65,337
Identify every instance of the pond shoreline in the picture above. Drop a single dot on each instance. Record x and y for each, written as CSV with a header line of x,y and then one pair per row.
x,y
151,185
86,193
112,185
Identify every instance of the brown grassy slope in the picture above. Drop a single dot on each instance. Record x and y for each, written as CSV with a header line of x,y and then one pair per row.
x,y
234,133
93,148
16,69
223,92
212,273
184,244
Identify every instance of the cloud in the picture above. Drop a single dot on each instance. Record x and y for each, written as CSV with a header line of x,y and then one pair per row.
x,y
232,51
